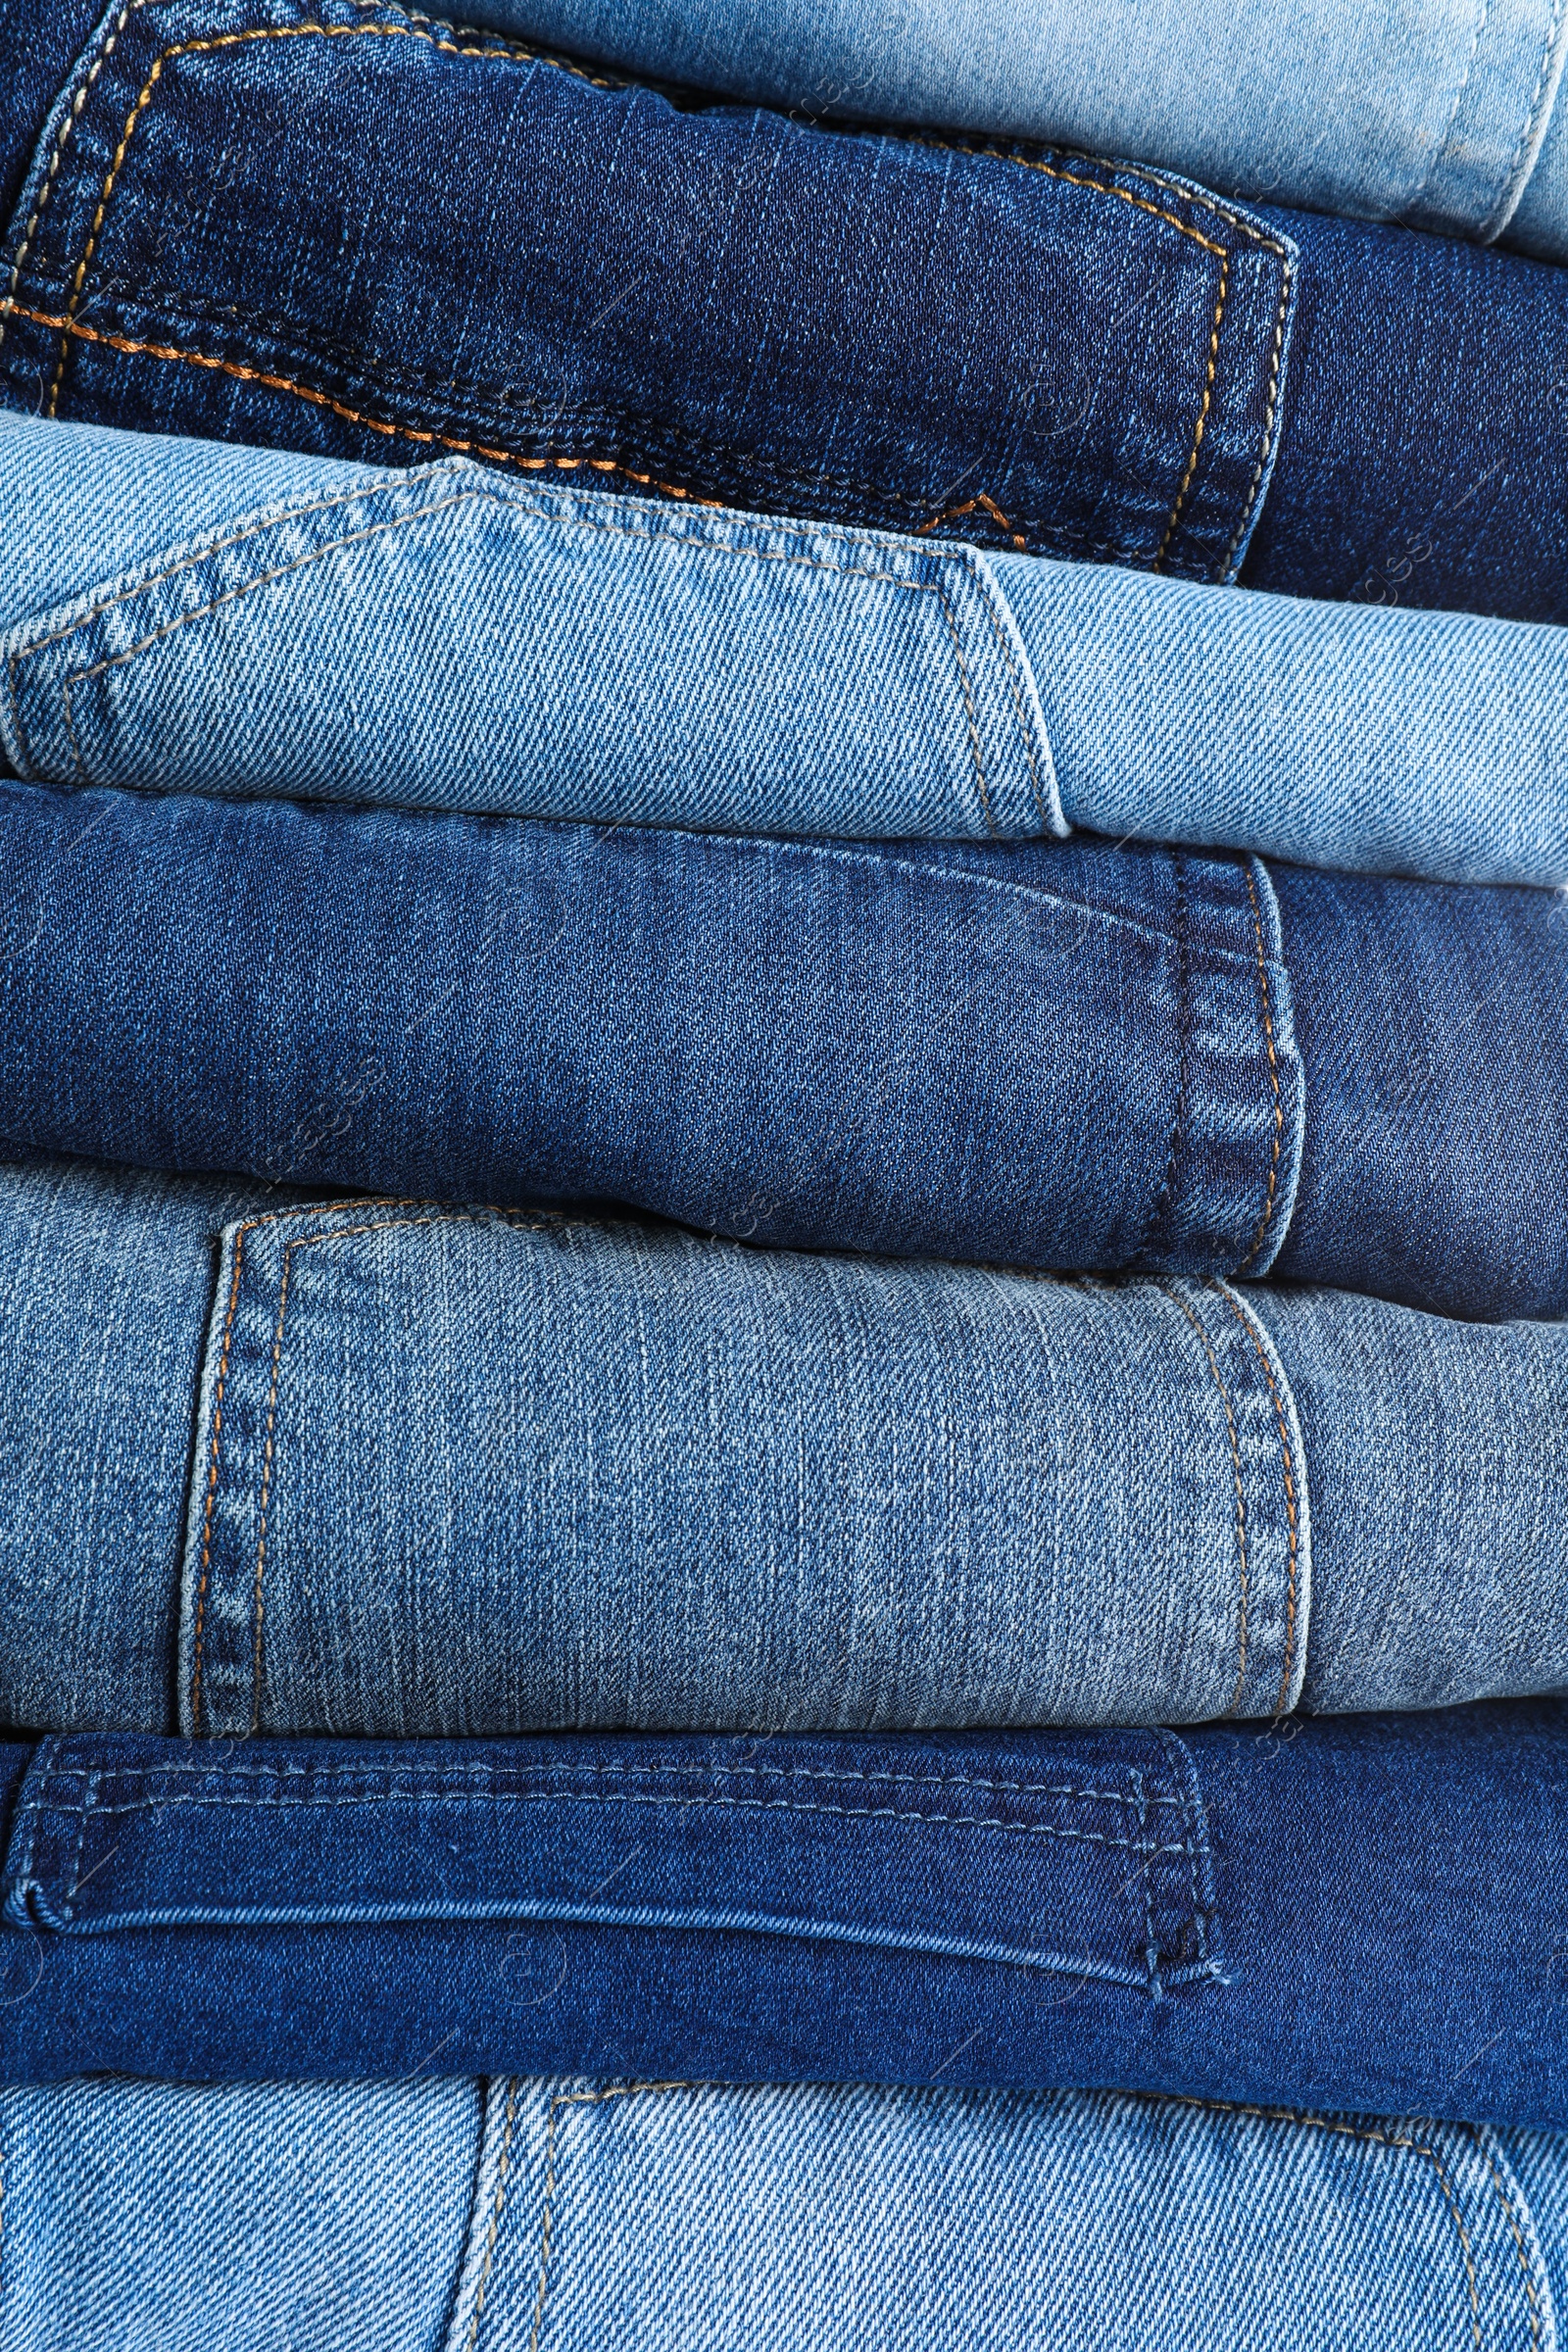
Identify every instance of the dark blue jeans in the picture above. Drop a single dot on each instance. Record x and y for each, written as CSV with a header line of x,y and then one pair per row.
x,y
1363,1913
1048,1054
236,219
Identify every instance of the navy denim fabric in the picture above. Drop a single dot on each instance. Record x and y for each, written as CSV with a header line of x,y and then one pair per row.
x,y
1368,1914
247,222
1047,1054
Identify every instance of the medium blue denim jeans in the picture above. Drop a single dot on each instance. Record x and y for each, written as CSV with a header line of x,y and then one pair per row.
x,y
1358,1911
203,617
1047,1054
1439,116
211,234
378,1467
562,2214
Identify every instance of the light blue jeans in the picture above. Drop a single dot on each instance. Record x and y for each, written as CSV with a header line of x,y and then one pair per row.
x,y
571,2216
185,616
464,1471
1438,112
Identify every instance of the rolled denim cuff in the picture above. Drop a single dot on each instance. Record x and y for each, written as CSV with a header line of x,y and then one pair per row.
x,y
532,2207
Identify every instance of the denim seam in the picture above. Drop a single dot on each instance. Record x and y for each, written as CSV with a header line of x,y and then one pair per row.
x,y
1440,149
496,2210
1282,253
1203,417
703,447
653,533
82,678
68,324
271,1218
1288,1473
1377,2139
467,1216
574,2098
1507,203
1271,1191
494,1800
717,1772
1204,1900
1510,2211
1206,1345
276,519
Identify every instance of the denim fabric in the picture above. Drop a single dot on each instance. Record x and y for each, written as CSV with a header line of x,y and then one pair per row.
x,y
1424,111
640,2217
245,223
195,616
269,2216
1045,1054
360,1467
1358,1911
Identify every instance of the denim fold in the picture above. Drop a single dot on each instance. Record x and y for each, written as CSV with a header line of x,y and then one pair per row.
x,y
178,615
693,2217
359,1467
1059,1055
946,333
1443,118
1348,1912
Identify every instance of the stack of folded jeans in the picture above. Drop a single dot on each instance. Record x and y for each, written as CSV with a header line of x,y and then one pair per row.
x,y
783,1177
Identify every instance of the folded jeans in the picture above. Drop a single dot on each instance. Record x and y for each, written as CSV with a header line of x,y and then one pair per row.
x,y
487,2216
1087,359
201,616
1353,1912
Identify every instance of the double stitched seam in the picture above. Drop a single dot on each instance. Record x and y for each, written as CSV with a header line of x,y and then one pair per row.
x,y
1533,2300
1375,2138
315,554
1288,1473
69,326
496,1798
847,572
73,1881
1439,145
498,2206
1078,180
1255,236
216,1436
190,563
1202,415
1265,1000
632,1772
1203,1342
1534,114
574,2098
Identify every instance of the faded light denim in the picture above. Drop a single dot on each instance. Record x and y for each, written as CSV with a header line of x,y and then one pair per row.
x,y
1442,117
1058,1056
405,1471
1354,1911
695,300
552,2215
199,616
